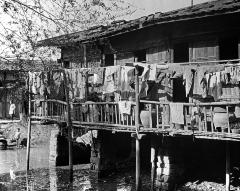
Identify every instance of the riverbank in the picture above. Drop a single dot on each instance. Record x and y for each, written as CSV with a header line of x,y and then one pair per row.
x,y
40,134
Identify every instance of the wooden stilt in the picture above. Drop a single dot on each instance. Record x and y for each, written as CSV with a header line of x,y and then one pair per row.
x,y
227,166
153,162
29,129
69,126
28,142
138,162
137,115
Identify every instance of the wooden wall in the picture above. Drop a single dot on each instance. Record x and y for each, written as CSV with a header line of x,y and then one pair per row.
x,y
202,36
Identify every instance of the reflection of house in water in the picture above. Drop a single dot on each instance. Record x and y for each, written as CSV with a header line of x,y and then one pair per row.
x,y
183,42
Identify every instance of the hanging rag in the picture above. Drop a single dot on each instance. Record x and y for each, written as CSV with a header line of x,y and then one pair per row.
x,y
125,107
188,80
98,75
112,78
153,72
76,79
176,112
127,77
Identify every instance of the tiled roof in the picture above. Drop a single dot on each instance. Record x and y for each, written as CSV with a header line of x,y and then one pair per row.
x,y
212,8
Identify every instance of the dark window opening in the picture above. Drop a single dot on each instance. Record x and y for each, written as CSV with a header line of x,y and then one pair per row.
x,y
228,48
109,59
181,52
66,64
140,56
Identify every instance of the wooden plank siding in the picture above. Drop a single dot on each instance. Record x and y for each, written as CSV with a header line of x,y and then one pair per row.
x,y
205,51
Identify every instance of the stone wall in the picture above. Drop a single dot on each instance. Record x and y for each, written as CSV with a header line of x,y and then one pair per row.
x,y
111,151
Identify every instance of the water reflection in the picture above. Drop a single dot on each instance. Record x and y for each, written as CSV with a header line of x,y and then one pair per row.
x,y
43,177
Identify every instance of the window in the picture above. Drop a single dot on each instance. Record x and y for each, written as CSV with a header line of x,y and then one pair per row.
x,y
66,64
228,48
140,56
109,59
181,52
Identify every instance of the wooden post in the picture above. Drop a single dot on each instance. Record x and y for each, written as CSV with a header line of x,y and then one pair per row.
x,y
153,162
227,166
29,127
138,162
69,126
137,114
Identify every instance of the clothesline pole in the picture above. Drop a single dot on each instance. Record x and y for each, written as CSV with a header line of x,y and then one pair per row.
x,y
69,126
29,127
138,178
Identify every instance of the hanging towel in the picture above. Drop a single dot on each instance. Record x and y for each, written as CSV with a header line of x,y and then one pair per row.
x,y
153,72
188,79
112,78
127,76
124,107
176,111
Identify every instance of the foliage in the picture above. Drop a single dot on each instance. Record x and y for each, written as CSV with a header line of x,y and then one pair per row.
x,y
24,22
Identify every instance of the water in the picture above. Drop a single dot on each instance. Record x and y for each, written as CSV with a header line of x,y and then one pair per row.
x,y
42,177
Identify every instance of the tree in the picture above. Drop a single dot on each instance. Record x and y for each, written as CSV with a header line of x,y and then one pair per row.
x,y
24,22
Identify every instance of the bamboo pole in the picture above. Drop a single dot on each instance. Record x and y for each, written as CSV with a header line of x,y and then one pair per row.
x,y
29,128
69,125
227,166
137,114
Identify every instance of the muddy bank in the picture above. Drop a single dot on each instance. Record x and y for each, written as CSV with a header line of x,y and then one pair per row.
x,y
40,134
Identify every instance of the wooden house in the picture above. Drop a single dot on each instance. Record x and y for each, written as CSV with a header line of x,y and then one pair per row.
x,y
206,34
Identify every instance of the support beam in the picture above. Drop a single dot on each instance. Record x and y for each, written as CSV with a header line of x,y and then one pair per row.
x,y
69,126
138,165
137,116
28,142
227,166
29,128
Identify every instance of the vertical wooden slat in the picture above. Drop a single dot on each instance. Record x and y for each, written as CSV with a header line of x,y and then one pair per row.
x,y
120,117
228,119
163,116
34,108
199,119
115,110
212,127
131,117
205,118
150,115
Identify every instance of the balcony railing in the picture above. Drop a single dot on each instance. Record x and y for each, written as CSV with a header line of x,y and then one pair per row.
x,y
200,117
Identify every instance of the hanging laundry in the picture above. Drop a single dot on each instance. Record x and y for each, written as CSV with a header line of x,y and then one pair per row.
x,y
176,112
199,87
188,80
127,77
112,79
125,107
117,97
76,79
153,72
98,75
